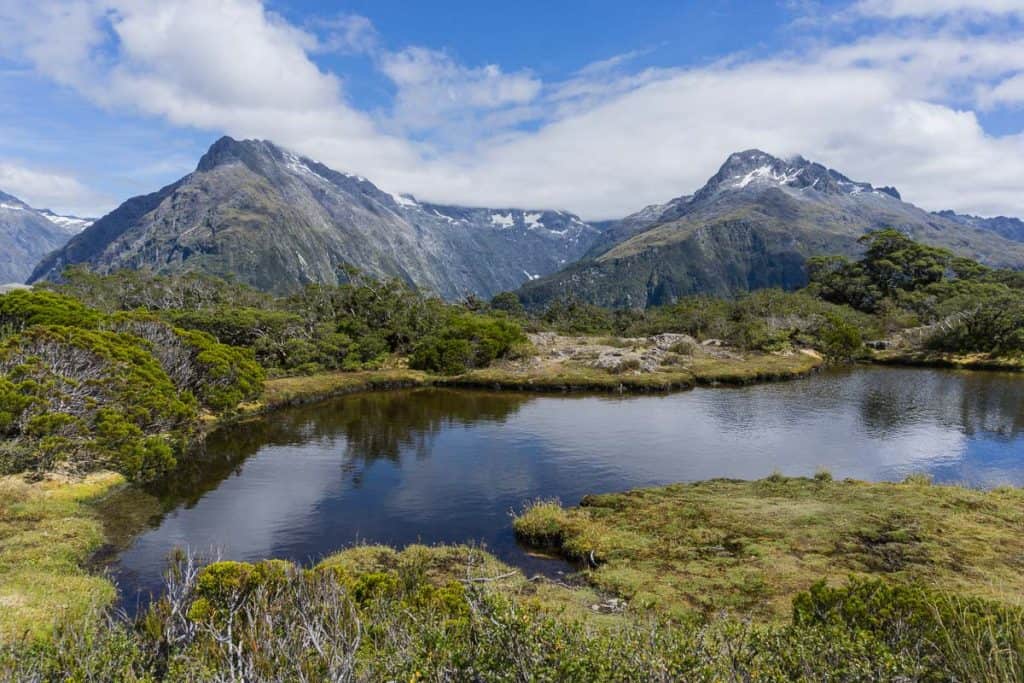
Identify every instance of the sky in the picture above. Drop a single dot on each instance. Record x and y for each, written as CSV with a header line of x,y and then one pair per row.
x,y
596,107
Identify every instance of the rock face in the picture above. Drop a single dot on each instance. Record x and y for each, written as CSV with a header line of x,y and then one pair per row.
x,y
752,226
277,221
27,234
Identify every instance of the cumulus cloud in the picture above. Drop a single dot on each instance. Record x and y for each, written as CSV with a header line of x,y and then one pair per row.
x,y
896,107
45,189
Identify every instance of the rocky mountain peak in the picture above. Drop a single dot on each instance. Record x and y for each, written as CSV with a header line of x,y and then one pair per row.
x,y
256,154
754,169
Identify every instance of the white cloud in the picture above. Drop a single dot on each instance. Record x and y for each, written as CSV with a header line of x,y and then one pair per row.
x,y
434,89
893,108
46,189
894,9
348,34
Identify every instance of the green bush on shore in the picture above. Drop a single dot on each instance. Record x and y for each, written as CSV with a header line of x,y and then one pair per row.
x,y
464,342
81,390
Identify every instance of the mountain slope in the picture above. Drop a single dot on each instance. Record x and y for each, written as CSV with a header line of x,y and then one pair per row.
x,y
277,221
27,234
1010,228
751,226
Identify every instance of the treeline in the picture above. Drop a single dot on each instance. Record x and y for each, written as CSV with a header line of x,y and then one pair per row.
x,y
437,614
116,370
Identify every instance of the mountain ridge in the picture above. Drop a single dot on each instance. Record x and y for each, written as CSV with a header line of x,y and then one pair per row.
x,y
27,234
276,220
752,225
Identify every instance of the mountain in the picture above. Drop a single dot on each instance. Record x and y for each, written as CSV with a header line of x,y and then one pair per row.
x,y
752,225
27,234
1010,228
267,217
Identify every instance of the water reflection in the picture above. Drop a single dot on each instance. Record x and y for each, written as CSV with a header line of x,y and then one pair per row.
x,y
447,466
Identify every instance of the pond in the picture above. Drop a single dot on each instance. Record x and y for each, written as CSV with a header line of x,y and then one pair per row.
x,y
436,465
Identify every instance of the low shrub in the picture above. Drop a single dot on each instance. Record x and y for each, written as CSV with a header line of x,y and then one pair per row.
x,y
421,620
466,341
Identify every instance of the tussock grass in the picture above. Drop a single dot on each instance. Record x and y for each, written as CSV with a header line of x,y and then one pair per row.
x,y
751,546
48,530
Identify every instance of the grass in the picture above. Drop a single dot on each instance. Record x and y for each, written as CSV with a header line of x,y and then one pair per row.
x,y
762,367
961,361
698,371
285,391
751,546
48,530
439,565
573,379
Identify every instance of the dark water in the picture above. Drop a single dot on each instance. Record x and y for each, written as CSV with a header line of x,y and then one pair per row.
x,y
449,466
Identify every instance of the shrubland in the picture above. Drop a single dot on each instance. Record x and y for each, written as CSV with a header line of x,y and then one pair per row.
x,y
82,390
372,614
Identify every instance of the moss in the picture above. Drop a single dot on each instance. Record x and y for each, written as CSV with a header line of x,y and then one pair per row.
x,y
48,530
752,546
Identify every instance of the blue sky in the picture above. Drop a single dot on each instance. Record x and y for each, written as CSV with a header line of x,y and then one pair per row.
x,y
599,107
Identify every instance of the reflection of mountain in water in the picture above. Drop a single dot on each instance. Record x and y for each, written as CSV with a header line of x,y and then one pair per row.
x,y
368,427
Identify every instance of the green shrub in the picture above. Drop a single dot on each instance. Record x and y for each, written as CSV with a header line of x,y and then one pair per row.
x,y
91,398
839,339
466,341
23,308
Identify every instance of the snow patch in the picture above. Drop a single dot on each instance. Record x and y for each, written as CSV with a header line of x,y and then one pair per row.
x,y
447,218
767,173
531,277
69,223
12,207
404,199
533,220
503,220
297,165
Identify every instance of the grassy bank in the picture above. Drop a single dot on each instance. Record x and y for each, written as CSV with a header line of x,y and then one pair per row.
x,y
957,361
48,530
286,391
748,369
752,546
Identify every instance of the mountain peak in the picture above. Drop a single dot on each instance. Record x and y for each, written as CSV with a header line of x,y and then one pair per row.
x,y
227,150
756,170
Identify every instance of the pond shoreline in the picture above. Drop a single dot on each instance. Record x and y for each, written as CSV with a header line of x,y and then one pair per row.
x,y
952,361
122,502
283,392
